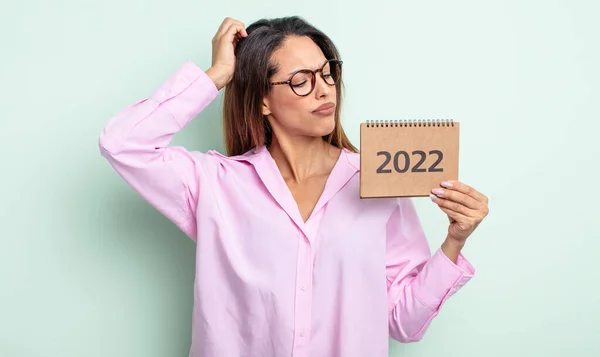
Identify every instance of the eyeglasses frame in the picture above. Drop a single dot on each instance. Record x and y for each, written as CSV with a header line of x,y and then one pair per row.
x,y
314,73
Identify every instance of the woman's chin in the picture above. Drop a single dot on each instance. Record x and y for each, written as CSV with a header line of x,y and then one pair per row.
x,y
323,127
315,128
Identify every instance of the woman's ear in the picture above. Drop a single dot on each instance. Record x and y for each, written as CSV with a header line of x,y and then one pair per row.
x,y
265,107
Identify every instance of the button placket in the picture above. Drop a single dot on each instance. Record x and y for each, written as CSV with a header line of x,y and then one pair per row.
x,y
303,299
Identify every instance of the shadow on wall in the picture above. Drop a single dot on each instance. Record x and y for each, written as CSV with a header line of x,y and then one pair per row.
x,y
130,217
132,246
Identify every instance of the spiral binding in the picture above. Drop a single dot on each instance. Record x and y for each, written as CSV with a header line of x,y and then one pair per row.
x,y
409,123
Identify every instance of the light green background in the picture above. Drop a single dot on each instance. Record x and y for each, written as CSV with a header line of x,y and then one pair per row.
x,y
89,269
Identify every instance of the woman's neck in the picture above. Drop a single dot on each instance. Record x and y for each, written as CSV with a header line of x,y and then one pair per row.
x,y
302,158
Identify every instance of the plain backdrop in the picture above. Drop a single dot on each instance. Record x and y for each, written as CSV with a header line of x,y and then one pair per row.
x,y
87,268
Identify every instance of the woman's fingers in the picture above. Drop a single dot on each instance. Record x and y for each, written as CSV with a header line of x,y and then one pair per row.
x,y
229,28
465,189
457,197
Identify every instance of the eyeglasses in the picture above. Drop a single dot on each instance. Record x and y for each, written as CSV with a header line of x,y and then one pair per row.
x,y
331,72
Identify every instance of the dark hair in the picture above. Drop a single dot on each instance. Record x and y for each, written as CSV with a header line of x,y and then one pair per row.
x,y
244,125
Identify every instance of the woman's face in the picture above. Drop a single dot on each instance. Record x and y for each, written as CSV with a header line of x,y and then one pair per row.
x,y
293,115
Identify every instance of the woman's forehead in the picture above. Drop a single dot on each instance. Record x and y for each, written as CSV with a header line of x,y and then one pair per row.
x,y
299,53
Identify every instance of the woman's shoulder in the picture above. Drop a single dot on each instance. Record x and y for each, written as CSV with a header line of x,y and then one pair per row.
x,y
242,167
215,155
352,157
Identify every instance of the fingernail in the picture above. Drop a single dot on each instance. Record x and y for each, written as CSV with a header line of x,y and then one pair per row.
x,y
446,184
434,198
438,191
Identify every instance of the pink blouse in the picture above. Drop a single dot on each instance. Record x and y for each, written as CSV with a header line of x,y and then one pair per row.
x,y
267,283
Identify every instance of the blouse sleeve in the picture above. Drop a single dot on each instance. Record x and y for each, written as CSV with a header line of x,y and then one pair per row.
x,y
136,143
418,283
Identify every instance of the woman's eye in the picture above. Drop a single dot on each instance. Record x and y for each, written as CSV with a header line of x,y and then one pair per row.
x,y
299,84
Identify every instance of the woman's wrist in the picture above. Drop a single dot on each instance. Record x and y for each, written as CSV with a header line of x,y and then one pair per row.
x,y
218,77
452,248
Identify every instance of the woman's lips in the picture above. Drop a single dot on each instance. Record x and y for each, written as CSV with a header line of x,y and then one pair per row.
x,y
325,109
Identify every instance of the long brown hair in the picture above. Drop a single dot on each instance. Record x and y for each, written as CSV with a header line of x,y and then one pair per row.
x,y
244,125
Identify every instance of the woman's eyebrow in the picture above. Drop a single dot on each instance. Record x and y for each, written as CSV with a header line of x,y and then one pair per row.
x,y
315,68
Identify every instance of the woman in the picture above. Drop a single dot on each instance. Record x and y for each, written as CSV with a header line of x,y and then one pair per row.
x,y
290,262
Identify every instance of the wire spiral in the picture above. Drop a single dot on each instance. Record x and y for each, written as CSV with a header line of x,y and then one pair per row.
x,y
410,123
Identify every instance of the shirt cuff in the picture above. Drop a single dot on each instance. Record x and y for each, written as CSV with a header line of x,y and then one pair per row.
x,y
441,278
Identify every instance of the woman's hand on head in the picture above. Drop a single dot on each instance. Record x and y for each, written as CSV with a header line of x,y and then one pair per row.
x,y
223,46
